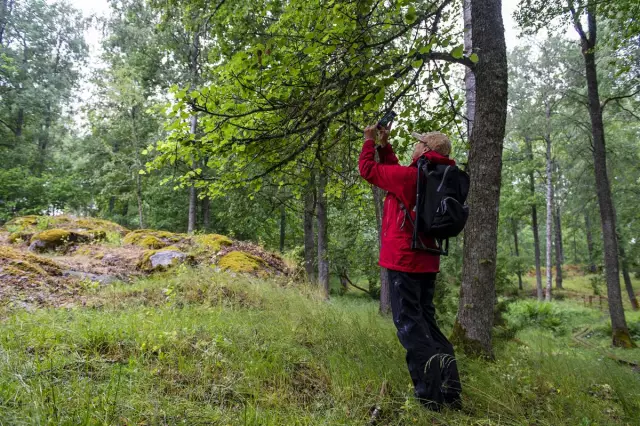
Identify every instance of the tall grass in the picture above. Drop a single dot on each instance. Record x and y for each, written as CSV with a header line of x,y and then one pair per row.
x,y
200,347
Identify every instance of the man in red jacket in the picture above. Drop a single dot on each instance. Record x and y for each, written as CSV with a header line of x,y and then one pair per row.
x,y
412,273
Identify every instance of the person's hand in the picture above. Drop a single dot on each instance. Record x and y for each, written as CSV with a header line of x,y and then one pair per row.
x,y
371,132
384,135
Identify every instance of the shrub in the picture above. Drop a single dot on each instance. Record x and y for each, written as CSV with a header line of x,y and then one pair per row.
x,y
527,313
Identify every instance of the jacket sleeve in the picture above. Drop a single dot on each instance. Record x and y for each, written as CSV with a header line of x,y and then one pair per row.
x,y
387,156
389,177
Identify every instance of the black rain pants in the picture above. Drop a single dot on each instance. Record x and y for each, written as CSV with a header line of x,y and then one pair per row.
x,y
430,357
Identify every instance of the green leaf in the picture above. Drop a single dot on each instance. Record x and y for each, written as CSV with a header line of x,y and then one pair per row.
x,y
411,15
474,58
458,52
417,64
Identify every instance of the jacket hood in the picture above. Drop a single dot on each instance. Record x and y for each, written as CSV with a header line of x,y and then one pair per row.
x,y
436,158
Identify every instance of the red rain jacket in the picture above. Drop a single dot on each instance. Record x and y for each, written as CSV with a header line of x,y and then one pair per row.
x,y
400,184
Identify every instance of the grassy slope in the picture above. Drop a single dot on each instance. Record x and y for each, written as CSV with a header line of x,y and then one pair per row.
x,y
200,347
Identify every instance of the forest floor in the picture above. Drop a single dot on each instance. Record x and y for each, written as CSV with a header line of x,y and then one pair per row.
x,y
202,346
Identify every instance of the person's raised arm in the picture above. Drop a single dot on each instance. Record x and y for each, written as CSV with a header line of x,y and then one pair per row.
x,y
385,150
390,177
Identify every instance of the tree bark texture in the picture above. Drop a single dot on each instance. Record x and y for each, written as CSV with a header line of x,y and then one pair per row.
x,y
206,213
139,199
194,53
193,193
514,228
587,225
620,331
309,240
549,199
323,243
627,279
469,76
385,290
534,221
557,219
472,330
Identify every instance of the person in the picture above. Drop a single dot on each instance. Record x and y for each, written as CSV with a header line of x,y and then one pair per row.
x,y
412,273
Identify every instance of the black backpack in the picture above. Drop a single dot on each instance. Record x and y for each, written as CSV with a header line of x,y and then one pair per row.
x,y
441,212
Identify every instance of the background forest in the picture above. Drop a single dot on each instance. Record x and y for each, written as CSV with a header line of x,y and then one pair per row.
x,y
244,118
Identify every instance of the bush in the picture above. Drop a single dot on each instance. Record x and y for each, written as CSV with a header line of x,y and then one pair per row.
x,y
597,282
528,313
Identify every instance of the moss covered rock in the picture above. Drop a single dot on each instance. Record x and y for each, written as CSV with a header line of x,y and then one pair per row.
x,y
20,237
101,225
23,221
16,264
151,239
94,229
212,242
155,260
55,238
238,261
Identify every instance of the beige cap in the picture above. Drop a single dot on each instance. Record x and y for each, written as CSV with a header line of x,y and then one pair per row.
x,y
438,142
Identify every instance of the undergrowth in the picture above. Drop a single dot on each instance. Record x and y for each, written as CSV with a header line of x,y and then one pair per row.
x,y
202,347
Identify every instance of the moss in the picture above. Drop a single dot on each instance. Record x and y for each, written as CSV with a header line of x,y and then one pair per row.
x,y
95,234
52,236
20,236
151,239
145,261
212,242
151,242
55,238
100,224
239,261
622,339
28,261
24,221
21,267
467,345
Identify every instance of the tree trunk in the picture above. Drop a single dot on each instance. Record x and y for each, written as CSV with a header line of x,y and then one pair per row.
x,y
194,53
309,240
627,279
206,214
283,227
5,12
534,221
193,193
620,331
140,203
549,193
19,123
43,142
469,76
587,224
323,243
385,290
472,330
514,228
558,245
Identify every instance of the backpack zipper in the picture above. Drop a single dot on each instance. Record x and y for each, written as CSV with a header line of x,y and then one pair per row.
x,y
443,178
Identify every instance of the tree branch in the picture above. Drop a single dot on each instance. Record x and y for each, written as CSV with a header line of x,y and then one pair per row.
x,y
9,127
617,98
